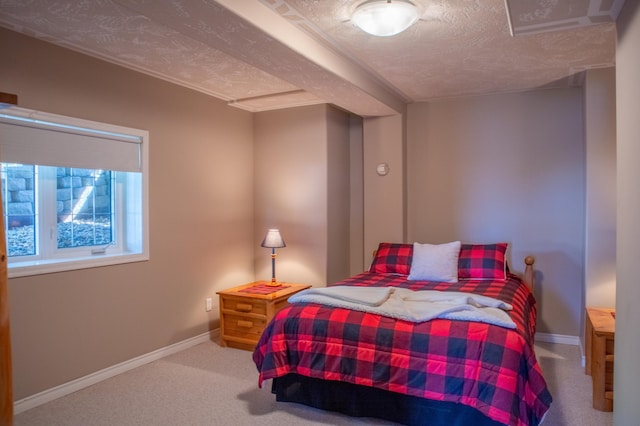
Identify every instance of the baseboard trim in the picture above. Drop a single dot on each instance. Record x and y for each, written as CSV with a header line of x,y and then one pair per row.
x,y
558,338
93,378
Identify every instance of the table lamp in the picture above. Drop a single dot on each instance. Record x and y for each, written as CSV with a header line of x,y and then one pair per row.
x,y
273,240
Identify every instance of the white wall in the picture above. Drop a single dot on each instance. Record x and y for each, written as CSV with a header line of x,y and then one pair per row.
x,y
506,168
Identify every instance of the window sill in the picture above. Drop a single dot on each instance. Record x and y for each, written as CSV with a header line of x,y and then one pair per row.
x,y
24,269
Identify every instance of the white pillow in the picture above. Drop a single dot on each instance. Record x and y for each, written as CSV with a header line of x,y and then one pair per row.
x,y
435,262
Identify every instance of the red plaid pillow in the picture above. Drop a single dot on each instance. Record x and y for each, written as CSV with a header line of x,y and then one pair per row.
x,y
482,262
392,258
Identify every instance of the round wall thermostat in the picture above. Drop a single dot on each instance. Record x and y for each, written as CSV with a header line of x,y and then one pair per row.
x,y
382,169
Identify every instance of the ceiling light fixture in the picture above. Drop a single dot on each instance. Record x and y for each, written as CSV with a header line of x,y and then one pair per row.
x,y
385,18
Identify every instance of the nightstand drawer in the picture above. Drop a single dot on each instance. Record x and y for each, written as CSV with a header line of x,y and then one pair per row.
x,y
279,305
241,326
245,305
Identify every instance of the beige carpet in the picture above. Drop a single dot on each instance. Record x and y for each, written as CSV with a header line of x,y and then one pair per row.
x,y
210,385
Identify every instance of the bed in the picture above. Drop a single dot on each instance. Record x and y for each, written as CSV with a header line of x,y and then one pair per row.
x,y
443,371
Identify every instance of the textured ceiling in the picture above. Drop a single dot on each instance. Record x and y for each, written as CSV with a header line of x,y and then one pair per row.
x,y
268,54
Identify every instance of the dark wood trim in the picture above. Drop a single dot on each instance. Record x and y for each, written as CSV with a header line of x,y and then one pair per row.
x,y
8,98
6,379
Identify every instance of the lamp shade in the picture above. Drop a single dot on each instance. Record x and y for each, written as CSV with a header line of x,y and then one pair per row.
x,y
385,18
273,239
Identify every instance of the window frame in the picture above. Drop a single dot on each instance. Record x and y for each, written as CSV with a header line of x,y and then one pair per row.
x,y
77,260
48,219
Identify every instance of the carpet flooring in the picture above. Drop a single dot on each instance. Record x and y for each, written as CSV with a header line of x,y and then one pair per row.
x,y
211,385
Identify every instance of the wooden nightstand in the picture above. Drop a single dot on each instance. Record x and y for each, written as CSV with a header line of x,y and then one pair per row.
x,y
599,339
246,310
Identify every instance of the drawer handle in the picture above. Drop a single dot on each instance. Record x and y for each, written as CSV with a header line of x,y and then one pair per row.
x,y
245,324
244,307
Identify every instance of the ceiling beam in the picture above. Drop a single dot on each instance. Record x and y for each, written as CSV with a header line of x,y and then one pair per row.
x,y
255,34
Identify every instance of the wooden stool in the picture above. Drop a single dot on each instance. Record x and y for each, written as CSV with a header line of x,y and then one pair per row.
x,y
599,342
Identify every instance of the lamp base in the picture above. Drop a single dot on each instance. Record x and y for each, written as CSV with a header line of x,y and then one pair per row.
x,y
274,283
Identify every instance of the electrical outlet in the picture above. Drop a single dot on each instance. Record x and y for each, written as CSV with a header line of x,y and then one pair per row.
x,y
209,304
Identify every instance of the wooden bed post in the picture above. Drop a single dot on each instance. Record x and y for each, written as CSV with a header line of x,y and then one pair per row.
x,y
528,272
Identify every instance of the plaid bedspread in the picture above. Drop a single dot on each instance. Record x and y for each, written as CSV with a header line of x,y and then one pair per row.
x,y
490,368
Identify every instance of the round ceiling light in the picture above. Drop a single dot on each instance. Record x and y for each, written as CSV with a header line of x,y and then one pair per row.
x,y
385,18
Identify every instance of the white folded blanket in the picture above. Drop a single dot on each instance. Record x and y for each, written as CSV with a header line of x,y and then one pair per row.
x,y
415,306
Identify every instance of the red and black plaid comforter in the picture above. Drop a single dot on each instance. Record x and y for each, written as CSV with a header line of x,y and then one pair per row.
x,y
490,368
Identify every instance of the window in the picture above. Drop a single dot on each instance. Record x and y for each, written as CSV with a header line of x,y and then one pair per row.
x,y
74,192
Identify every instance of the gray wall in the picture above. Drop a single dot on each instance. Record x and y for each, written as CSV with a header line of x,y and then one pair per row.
x,y
356,203
384,196
506,168
302,187
626,410
67,325
338,195
219,177
600,227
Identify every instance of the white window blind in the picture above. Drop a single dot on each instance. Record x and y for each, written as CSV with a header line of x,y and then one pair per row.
x,y
30,137
49,141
